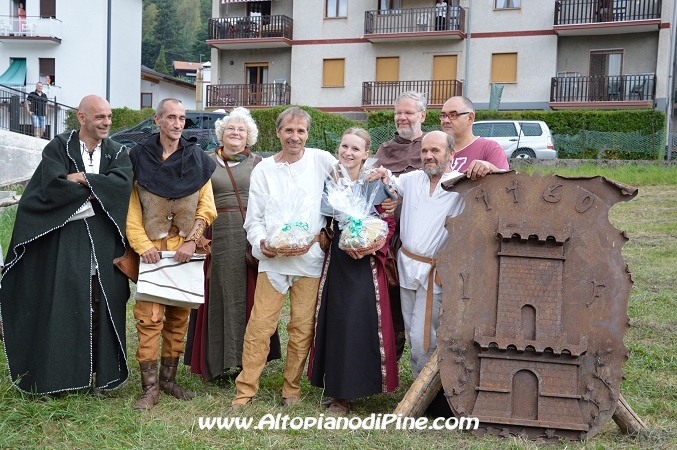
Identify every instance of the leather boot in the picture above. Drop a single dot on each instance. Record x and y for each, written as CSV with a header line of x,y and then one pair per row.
x,y
149,385
168,382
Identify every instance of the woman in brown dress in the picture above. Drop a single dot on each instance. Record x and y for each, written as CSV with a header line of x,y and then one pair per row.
x,y
220,323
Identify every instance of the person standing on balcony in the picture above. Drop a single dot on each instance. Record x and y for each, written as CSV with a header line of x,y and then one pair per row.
x,y
604,11
475,156
21,12
440,15
36,105
400,155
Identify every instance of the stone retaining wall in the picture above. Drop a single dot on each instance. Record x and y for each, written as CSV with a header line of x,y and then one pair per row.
x,y
19,156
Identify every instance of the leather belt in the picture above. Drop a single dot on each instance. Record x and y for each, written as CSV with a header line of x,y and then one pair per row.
x,y
173,231
432,275
229,209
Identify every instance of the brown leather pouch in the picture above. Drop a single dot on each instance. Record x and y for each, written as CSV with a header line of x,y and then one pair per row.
x,y
129,264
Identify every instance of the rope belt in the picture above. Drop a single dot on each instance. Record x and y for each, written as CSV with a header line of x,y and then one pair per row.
x,y
433,276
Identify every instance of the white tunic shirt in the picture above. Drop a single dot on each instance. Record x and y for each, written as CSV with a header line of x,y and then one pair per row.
x,y
272,181
422,224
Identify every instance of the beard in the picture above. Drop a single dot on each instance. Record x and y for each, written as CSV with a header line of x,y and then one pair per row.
x,y
412,131
438,169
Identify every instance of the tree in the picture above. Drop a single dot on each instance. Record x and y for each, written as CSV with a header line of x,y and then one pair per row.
x,y
200,46
189,17
148,20
161,62
166,32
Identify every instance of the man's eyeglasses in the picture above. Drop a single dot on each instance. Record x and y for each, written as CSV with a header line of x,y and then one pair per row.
x,y
406,113
451,115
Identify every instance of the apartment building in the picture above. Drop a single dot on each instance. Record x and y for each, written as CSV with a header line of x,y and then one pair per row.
x,y
74,48
348,55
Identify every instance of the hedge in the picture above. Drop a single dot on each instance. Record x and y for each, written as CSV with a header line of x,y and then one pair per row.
x,y
325,128
644,121
123,118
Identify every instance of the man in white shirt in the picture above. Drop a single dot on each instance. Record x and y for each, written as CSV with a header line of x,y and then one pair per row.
x,y
295,172
425,207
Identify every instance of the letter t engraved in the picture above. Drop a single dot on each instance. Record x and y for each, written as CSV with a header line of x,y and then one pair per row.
x,y
484,196
464,277
513,189
596,291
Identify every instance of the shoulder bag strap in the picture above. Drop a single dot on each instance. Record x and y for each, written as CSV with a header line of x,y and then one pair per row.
x,y
237,193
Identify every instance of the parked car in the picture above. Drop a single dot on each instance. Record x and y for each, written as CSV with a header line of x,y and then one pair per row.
x,y
519,138
198,123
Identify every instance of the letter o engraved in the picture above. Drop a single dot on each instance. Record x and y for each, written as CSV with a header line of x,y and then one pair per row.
x,y
584,202
550,196
484,196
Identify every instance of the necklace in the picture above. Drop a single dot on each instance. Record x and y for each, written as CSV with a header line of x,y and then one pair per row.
x,y
90,153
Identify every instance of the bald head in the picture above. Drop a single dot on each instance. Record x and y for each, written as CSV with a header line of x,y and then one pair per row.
x,y
437,149
439,138
94,115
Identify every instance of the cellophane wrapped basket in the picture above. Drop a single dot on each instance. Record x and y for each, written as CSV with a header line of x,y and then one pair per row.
x,y
362,231
287,224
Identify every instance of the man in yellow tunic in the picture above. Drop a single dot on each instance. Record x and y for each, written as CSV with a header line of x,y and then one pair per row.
x,y
171,204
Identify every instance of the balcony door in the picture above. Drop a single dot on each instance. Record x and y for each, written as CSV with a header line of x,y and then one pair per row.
x,y
444,78
258,8
605,71
256,79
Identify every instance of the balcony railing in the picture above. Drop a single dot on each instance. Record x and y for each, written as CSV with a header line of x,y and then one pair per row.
x,y
250,27
14,115
384,93
578,12
414,20
615,88
31,26
232,95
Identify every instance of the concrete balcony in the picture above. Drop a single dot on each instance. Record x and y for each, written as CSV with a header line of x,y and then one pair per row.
x,y
414,24
249,95
382,94
233,33
30,30
595,17
603,92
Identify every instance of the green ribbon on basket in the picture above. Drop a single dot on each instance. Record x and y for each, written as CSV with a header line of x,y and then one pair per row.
x,y
355,227
299,224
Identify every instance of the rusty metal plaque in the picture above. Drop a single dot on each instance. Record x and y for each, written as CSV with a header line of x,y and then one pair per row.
x,y
535,305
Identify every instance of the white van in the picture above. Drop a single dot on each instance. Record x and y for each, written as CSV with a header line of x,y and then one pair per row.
x,y
519,138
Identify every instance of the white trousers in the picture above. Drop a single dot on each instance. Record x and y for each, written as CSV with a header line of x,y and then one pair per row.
x,y
413,312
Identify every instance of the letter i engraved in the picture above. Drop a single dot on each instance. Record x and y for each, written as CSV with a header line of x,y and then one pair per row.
x,y
596,291
484,196
513,189
465,277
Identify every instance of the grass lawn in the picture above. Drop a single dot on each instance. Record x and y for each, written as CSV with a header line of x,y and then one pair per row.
x,y
76,421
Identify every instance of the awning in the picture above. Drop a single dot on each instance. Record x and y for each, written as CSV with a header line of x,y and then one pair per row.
x,y
15,75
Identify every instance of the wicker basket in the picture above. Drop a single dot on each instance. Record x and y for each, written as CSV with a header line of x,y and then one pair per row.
x,y
369,249
291,251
